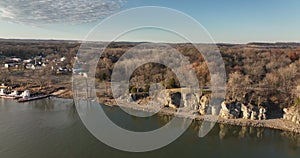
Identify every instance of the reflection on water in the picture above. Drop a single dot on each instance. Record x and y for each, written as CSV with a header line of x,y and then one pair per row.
x,y
228,131
240,132
295,139
51,128
43,104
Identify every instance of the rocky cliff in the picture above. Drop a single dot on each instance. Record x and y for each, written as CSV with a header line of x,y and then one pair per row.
x,y
292,114
235,110
197,101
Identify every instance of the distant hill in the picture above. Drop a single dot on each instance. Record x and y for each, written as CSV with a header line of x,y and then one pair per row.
x,y
275,45
37,40
251,44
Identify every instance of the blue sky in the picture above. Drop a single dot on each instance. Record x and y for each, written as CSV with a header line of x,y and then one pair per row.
x,y
231,21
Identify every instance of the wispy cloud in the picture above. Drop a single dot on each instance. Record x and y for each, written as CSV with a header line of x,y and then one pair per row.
x,y
57,11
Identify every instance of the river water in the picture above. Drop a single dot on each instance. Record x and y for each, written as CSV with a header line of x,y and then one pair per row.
x,y
51,128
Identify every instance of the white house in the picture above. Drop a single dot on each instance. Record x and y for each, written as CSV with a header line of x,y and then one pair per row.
x,y
35,67
25,94
63,59
27,61
44,64
14,93
16,59
8,65
2,91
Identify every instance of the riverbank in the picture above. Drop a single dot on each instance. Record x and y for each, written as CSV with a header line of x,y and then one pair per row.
x,y
279,123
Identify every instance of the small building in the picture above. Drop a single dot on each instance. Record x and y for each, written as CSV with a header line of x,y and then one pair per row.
x,y
15,59
44,64
3,91
8,65
27,61
62,70
25,94
14,93
63,59
35,67
28,66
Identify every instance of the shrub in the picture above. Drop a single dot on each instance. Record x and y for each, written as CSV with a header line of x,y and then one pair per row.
x,y
297,101
172,83
133,90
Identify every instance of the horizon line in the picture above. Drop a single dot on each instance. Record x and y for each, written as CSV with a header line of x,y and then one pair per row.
x,y
78,40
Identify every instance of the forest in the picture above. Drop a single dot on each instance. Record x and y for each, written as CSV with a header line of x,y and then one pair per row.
x,y
263,74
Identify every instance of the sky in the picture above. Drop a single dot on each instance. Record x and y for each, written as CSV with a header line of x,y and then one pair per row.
x,y
227,21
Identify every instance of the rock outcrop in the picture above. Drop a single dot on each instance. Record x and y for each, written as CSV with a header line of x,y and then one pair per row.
x,y
235,110
174,100
230,110
136,96
183,98
246,112
203,105
292,114
262,113
169,98
254,113
194,101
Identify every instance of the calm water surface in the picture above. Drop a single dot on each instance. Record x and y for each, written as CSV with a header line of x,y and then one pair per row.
x,y
51,128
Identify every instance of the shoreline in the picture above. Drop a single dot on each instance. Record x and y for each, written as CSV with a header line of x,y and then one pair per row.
x,y
278,123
